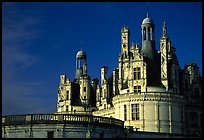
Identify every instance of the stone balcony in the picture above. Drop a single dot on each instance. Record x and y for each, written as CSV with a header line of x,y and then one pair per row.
x,y
60,119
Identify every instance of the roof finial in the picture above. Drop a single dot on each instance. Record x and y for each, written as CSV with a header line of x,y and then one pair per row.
x,y
164,24
147,9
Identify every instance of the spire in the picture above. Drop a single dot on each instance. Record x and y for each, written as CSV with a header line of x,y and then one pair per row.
x,y
147,9
164,28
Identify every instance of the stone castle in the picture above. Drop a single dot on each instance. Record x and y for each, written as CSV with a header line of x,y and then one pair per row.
x,y
148,91
147,96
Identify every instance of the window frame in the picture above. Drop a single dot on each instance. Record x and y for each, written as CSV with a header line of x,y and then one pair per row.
x,y
135,112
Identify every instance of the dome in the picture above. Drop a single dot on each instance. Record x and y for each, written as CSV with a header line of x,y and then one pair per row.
x,y
81,55
147,20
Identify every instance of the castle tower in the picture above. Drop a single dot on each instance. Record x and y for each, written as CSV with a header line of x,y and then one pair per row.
x,y
125,42
80,65
64,94
164,49
148,42
124,59
85,90
169,63
104,82
150,53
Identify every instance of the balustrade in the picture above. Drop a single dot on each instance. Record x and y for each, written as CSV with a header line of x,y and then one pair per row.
x,y
59,118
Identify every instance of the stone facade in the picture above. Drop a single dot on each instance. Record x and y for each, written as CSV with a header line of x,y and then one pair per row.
x,y
148,91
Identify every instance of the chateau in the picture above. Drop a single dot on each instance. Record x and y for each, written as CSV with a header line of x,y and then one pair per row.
x,y
147,96
148,91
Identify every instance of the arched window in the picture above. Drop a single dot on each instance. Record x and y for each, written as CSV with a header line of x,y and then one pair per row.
x,y
144,33
67,95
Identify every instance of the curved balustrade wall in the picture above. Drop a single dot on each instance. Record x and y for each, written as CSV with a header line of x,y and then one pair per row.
x,y
61,125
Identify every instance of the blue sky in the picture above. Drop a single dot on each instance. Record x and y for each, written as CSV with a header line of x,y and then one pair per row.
x,y
40,41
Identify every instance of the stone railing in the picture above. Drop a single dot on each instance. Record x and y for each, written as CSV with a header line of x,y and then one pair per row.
x,y
59,119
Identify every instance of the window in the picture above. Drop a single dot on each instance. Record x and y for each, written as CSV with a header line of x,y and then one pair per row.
x,y
67,108
135,111
125,113
137,88
84,89
144,33
67,96
50,134
136,73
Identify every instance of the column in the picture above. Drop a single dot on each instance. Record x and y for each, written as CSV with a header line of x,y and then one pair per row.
x,y
157,116
151,37
147,32
199,122
170,118
143,120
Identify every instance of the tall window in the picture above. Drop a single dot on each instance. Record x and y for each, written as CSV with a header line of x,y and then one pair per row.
x,y
84,89
125,112
136,73
144,33
135,111
137,88
67,108
67,96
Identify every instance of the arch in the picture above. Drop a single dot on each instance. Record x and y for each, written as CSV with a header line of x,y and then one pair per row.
x,y
144,33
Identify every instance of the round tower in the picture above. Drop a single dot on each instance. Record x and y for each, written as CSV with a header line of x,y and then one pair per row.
x,y
148,41
80,65
150,53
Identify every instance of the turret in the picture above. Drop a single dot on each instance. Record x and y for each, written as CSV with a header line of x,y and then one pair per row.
x,y
80,65
148,42
164,49
104,80
125,42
